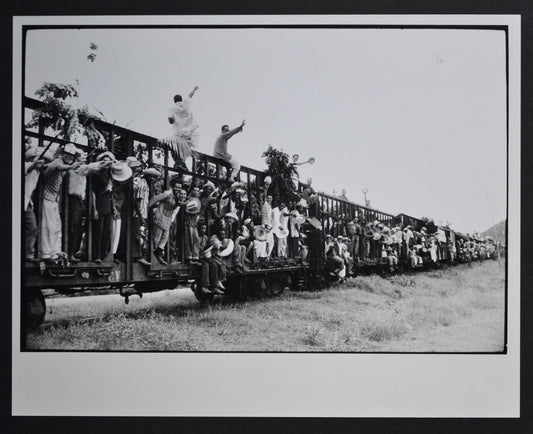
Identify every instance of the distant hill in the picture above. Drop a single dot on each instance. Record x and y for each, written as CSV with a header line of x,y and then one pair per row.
x,y
497,231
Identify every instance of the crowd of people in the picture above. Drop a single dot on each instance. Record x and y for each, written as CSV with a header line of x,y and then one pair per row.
x,y
179,217
359,240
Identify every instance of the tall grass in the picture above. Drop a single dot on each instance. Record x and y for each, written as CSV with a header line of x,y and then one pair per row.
x,y
435,311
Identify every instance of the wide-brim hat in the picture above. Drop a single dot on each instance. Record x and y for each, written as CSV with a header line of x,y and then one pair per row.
x,y
70,149
231,215
152,171
237,186
299,219
133,162
281,232
228,249
260,233
120,171
207,252
209,184
105,154
193,205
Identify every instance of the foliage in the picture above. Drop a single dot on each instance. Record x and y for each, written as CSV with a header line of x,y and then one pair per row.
x,y
93,47
58,114
281,170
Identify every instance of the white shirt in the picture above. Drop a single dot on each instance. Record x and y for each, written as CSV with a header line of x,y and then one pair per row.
x,y
77,180
184,124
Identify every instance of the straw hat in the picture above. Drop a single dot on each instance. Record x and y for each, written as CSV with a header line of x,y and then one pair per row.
x,y
70,149
105,154
231,215
193,205
228,249
260,233
120,171
237,185
133,162
207,252
300,219
281,232
152,171
209,184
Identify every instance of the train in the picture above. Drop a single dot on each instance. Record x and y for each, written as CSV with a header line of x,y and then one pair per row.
x,y
331,218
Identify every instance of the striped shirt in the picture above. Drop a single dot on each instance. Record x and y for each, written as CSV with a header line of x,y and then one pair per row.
x,y
141,191
266,214
53,180
163,215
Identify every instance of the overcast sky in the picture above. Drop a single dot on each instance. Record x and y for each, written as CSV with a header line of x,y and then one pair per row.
x,y
418,117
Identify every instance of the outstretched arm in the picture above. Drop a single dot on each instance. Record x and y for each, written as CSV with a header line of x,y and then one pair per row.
x,y
193,91
235,130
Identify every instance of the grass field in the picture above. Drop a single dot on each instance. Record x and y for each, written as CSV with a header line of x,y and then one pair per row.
x,y
459,309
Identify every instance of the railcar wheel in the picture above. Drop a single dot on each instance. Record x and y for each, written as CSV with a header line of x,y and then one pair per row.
x,y
34,309
277,284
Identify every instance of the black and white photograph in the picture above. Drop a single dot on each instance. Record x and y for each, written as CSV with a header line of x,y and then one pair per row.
x,y
264,188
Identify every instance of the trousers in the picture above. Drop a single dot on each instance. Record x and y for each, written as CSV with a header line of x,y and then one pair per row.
x,y
75,223
30,231
51,229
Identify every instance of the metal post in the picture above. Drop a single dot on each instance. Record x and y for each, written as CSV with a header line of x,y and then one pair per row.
x,y
40,195
129,217
64,210
166,186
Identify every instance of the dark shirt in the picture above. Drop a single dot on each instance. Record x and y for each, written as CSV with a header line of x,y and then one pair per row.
x,y
103,195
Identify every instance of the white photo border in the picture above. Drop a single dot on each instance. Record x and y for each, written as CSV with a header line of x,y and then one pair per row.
x,y
264,384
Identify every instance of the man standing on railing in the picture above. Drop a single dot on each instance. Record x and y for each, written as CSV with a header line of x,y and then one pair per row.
x,y
183,138
221,149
